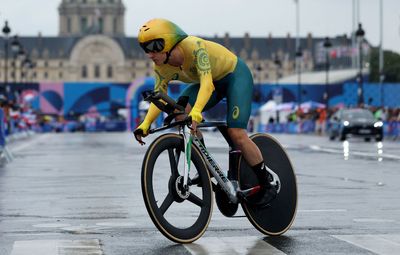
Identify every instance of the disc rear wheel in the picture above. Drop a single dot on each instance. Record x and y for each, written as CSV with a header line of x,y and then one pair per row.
x,y
277,217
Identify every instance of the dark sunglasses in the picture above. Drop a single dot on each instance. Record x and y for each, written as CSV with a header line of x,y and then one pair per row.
x,y
156,45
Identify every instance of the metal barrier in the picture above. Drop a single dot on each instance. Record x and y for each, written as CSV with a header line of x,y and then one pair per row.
x,y
390,128
4,152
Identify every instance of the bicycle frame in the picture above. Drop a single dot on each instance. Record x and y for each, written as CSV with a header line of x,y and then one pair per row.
x,y
228,183
228,186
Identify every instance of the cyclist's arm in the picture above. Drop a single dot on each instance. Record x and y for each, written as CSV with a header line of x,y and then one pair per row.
x,y
206,82
161,84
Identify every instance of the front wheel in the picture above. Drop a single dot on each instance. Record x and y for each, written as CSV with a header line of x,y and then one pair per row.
x,y
276,218
180,214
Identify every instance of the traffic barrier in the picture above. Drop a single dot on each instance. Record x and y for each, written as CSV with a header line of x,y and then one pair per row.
x,y
4,151
390,128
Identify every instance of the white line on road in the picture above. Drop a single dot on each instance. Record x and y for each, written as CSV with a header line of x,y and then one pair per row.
x,y
55,247
232,245
29,143
358,153
379,244
373,220
322,210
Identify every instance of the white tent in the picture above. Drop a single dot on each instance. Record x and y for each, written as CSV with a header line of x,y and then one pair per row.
x,y
270,110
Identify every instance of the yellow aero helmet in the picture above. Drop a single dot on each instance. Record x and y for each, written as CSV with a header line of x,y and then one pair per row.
x,y
160,35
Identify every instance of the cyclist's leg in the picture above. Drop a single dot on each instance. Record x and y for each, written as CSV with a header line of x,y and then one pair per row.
x,y
239,98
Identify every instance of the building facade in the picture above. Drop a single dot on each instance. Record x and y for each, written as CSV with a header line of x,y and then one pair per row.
x,y
92,47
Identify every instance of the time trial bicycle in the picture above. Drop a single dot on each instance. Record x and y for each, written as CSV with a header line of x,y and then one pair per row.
x,y
179,176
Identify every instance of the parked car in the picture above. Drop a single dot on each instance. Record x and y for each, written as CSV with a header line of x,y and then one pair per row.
x,y
355,122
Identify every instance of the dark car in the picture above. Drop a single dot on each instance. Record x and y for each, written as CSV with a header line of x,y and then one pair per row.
x,y
355,122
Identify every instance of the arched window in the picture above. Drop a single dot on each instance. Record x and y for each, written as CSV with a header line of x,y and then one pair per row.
x,y
84,72
115,25
96,71
109,72
69,25
101,25
84,24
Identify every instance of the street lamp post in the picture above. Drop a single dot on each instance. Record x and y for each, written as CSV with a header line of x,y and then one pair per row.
x,y
299,52
21,57
15,45
31,67
360,33
278,93
26,65
299,55
327,45
6,31
381,62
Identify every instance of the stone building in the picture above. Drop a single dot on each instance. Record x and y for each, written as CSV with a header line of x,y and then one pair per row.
x,y
92,47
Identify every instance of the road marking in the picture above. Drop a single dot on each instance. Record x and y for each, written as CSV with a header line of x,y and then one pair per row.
x,y
55,247
322,210
27,144
372,220
116,224
232,245
379,244
357,153
51,225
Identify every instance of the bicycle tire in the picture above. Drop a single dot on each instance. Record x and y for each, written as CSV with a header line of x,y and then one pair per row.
x,y
279,215
172,145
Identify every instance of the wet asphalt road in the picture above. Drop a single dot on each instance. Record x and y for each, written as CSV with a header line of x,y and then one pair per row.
x,y
81,194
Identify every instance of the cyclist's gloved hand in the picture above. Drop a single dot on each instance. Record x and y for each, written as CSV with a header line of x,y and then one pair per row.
x,y
142,131
196,118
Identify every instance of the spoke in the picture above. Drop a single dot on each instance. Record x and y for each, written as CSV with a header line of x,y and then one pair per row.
x,y
195,200
167,203
172,162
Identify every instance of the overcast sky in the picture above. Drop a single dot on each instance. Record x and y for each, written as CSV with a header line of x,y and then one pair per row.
x,y
216,17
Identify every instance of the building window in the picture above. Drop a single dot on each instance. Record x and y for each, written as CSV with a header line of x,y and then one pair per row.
x,y
46,64
83,24
96,71
61,64
34,75
109,72
45,75
84,72
69,25
60,75
115,25
133,75
101,25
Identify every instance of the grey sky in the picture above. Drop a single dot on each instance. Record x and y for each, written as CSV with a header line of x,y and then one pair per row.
x,y
216,17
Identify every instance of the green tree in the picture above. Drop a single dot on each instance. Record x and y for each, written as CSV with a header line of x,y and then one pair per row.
x,y
391,67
